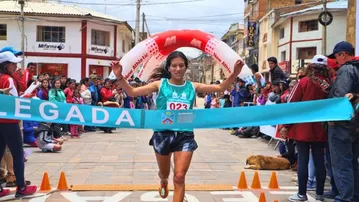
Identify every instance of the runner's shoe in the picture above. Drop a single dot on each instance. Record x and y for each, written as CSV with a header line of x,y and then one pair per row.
x,y
163,191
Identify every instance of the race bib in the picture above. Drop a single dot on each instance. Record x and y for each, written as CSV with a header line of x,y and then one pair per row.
x,y
177,106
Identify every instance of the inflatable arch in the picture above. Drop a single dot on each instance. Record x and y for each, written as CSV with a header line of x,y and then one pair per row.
x,y
152,51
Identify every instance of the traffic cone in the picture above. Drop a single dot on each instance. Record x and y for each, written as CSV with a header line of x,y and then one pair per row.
x,y
262,197
273,183
45,184
276,201
242,183
62,186
256,184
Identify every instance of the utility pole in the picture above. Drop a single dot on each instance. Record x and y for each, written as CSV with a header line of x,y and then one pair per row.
x,y
143,26
22,19
324,41
137,35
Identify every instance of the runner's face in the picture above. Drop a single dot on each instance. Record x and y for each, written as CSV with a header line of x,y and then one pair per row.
x,y
177,68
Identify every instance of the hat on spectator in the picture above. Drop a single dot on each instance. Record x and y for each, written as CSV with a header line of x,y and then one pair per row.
x,y
11,49
320,59
9,57
342,46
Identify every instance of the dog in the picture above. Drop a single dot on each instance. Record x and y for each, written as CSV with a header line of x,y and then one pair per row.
x,y
260,162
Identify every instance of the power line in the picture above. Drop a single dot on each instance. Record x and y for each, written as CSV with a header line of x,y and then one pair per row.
x,y
129,4
206,16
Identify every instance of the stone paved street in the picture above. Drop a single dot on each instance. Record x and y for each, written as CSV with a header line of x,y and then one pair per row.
x,y
124,157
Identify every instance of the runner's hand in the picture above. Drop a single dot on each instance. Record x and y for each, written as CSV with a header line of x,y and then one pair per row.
x,y
238,67
117,69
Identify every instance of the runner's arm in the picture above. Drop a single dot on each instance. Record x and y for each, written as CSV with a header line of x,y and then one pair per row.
x,y
143,90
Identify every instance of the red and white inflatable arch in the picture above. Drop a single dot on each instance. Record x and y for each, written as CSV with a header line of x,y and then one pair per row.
x,y
152,51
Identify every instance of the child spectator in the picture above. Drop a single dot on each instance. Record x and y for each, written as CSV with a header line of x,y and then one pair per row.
x,y
76,99
30,128
46,140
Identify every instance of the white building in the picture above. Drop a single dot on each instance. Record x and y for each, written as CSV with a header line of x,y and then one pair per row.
x,y
296,37
65,39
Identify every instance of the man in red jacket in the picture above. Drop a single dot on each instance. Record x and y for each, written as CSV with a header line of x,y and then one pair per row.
x,y
28,74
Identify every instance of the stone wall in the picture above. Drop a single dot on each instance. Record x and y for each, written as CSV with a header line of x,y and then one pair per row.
x,y
351,21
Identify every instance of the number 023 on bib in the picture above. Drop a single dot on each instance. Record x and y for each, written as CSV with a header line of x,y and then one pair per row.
x,y
177,106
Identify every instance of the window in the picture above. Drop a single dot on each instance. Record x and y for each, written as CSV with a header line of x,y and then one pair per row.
x,y
306,53
123,46
3,32
309,25
50,34
100,38
283,55
281,33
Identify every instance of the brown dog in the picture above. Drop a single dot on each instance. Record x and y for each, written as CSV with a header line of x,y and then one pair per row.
x,y
259,162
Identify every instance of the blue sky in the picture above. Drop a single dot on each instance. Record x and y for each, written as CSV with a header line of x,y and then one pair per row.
x,y
214,16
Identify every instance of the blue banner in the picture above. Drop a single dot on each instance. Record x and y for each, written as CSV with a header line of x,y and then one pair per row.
x,y
337,109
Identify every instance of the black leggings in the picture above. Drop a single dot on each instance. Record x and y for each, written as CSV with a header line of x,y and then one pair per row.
x,y
10,135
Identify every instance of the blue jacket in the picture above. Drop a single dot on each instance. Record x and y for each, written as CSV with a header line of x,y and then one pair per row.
x,y
29,133
94,93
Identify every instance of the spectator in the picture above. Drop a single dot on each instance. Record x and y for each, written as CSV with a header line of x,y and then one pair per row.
x,y
56,94
343,146
10,129
310,135
257,77
93,89
63,81
30,127
28,75
46,140
19,72
76,99
43,92
300,73
275,70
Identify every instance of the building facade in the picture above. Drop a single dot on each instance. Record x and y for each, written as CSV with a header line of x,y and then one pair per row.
x,y
300,35
254,10
65,40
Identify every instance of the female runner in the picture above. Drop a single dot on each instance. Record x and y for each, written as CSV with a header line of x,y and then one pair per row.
x,y
173,93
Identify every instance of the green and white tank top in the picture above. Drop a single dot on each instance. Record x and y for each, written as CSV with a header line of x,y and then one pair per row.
x,y
262,81
175,97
